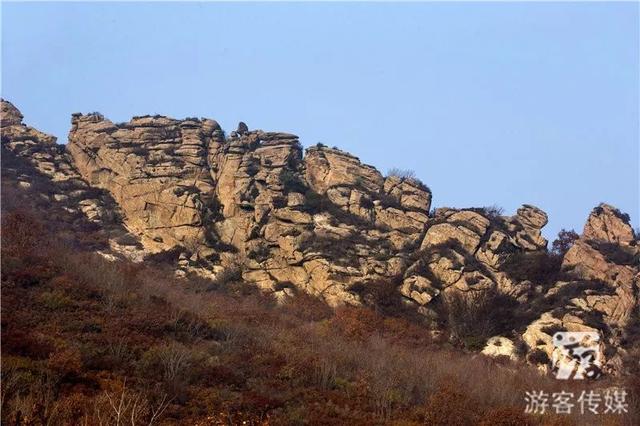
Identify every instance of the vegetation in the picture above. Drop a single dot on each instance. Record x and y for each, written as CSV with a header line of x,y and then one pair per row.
x,y
95,342
409,175
402,174
564,241
88,341
539,267
292,181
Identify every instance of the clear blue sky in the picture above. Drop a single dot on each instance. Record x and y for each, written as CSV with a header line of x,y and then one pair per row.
x,y
496,103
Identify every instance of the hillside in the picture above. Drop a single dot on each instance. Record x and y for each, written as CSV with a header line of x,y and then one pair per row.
x,y
213,279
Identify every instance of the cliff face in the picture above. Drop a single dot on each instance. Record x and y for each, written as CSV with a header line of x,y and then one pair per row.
x,y
320,223
323,222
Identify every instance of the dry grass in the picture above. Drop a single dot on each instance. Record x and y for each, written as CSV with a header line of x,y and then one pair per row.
x,y
198,356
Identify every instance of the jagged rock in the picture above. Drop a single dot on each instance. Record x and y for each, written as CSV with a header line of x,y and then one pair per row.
x,y
463,250
465,229
157,187
604,265
408,193
606,223
323,222
10,114
73,194
532,220
606,252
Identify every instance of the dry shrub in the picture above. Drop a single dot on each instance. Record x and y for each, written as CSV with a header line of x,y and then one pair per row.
x,y
505,416
26,343
473,319
450,405
231,357
66,361
356,322
22,232
539,267
305,307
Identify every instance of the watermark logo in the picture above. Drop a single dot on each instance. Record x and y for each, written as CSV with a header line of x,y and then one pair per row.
x,y
609,401
576,355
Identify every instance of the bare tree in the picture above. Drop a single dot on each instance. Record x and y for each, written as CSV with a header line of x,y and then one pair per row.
x,y
129,407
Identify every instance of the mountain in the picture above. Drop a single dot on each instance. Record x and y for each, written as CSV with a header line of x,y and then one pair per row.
x,y
253,206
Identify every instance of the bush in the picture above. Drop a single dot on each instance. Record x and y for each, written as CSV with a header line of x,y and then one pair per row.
x,y
539,267
616,253
292,182
259,253
402,174
21,233
450,406
472,319
307,307
356,323
55,300
169,256
505,416
563,242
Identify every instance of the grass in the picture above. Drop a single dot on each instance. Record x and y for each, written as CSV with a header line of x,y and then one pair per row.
x,y
80,332
86,330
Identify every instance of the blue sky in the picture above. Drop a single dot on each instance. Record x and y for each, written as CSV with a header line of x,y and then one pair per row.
x,y
489,103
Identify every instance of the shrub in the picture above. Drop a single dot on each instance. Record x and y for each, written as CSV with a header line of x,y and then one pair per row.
x,y
472,319
616,253
402,174
450,406
493,213
410,176
67,361
292,182
169,256
172,363
55,300
505,416
539,267
563,242
307,307
21,232
259,253
355,322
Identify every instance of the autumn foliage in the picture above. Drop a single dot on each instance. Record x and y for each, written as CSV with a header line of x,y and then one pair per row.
x,y
93,342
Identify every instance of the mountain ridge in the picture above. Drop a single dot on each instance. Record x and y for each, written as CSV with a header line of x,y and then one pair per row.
x,y
254,205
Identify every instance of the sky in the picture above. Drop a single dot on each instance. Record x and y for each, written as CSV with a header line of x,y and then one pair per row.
x,y
489,103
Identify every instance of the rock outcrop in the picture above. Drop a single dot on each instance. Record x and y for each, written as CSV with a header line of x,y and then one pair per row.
x,y
601,294
320,221
462,253
72,192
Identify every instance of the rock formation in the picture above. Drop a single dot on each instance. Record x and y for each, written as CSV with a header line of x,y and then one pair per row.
x,y
601,292
322,222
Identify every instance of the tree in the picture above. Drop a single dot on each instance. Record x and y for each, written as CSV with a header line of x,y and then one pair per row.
x,y
563,243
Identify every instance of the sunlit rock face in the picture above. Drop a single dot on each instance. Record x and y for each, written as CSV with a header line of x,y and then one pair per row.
x,y
322,222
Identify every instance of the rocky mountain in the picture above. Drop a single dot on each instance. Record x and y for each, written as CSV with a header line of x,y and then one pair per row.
x,y
255,205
